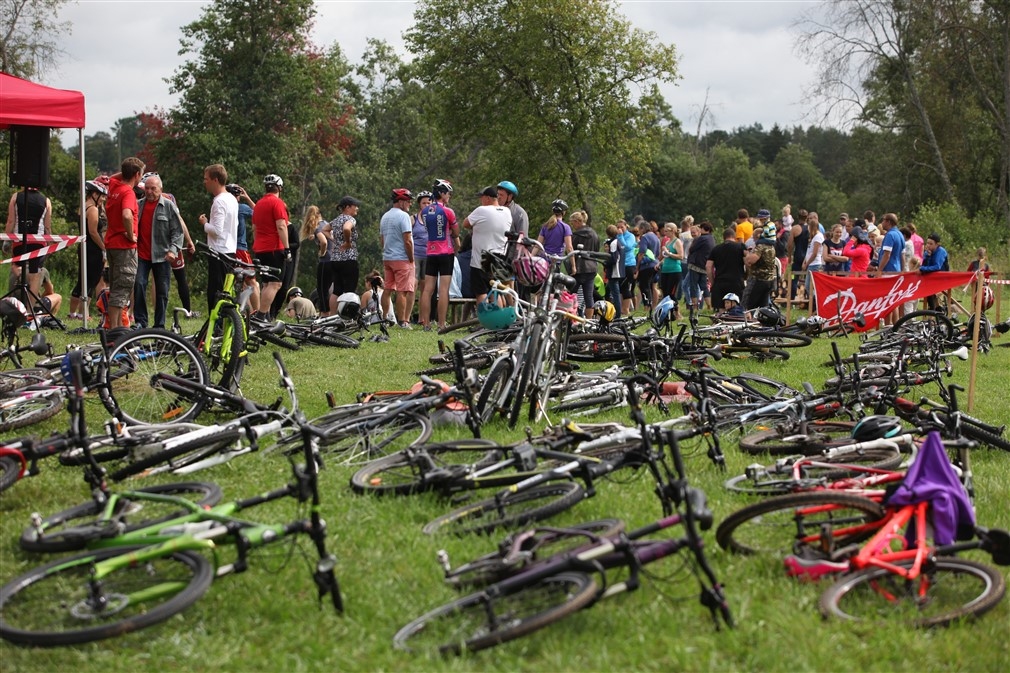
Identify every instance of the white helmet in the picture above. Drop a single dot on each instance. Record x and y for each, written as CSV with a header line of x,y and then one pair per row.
x,y
731,297
273,181
348,305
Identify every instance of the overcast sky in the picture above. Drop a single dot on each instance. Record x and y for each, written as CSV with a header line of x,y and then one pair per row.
x,y
740,51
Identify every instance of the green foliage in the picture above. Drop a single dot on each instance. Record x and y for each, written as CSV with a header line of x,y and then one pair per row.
x,y
733,184
545,91
957,229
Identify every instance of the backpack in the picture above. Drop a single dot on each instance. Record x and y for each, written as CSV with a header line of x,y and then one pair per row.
x,y
946,264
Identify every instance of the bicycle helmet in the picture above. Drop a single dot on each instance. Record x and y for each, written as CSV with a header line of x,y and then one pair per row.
x,y
273,181
441,187
605,311
425,194
103,180
13,309
559,206
493,316
661,314
988,298
348,305
509,187
496,266
145,176
294,292
402,194
92,186
233,189
876,427
732,296
531,270
770,317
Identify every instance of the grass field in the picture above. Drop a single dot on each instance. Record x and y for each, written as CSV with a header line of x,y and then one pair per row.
x,y
267,619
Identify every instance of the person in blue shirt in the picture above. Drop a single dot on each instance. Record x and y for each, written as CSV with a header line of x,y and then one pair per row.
x,y
732,310
890,257
934,259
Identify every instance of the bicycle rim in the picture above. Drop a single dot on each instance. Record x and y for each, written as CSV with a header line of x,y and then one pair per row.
x,y
511,511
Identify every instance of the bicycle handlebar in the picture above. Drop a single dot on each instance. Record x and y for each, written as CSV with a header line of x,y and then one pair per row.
x,y
236,262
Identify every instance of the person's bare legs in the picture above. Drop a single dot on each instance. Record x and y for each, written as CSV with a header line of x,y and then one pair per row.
x,y
425,311
443,298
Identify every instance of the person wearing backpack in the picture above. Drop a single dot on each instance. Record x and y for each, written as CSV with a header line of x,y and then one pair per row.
x,y
934,259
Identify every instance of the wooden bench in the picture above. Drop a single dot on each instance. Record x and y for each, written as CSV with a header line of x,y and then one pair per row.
x,y
460,309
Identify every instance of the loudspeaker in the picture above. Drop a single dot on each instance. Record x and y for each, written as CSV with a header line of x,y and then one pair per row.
x,y
29,157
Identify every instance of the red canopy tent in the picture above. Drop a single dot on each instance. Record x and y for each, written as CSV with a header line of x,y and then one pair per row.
x,y
24,103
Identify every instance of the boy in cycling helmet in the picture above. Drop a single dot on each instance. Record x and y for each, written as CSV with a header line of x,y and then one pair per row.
x,y
299,306
731,307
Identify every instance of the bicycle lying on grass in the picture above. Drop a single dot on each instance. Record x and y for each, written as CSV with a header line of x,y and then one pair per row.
x,y
521,591
144,572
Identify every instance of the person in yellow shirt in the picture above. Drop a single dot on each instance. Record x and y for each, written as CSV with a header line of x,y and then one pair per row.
x,y
744,227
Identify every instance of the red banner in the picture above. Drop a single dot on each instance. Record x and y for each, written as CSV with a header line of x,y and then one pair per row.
x,y
844,296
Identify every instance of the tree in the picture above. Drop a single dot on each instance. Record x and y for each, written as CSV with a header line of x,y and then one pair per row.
x,y
798,182
258,97
733,184
30,35
546,92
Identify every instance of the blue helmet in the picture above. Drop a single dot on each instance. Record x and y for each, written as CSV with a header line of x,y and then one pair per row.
x,y
661,314
509,187
876,427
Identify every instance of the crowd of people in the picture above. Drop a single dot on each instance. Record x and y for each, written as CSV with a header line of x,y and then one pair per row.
x,y
430,255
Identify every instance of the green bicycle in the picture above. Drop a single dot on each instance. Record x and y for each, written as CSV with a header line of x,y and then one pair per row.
x,y
143,573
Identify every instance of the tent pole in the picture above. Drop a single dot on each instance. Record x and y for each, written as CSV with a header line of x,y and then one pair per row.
x,y
83,271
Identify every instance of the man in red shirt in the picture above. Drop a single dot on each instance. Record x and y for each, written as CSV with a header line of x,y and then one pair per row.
x,y
270,237
121,237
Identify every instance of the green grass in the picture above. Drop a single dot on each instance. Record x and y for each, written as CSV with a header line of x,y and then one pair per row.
x,y
267,619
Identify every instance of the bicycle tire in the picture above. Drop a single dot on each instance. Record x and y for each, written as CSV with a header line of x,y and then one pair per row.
x,y
134,360
398,474
543,375
984,437
57,595
332,339
231,364
602,401
517,509
362,439
75,528
550,543
479,621
472,322
29,411
771,339
956,588
597,347
478,361
276,340
819,435
782,536
15,379
495,382
10,470
923,323
532,345
879,459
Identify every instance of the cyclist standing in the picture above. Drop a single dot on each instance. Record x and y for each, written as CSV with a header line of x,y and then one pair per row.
x,y
507,193
270,237
397,241
443,242
490,222
221,228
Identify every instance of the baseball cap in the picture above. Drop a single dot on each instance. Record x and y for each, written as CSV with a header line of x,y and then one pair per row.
x,y
859,234
491,192
764,212
348,201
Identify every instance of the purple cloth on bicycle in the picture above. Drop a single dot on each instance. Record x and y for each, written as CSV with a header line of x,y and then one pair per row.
x,y
931,478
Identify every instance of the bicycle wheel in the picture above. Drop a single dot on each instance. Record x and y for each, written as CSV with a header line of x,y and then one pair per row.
x,y
778,481
178,456
401,473
479,621
75,528
360,440
949,589
529,356
20,413
489,400
472,322
276,340
925,324
771,339
10,468
131,390
512,511
60,604
446,365
15,379
984,437
544,544
331,338
596,347
229,354
822,520
819,435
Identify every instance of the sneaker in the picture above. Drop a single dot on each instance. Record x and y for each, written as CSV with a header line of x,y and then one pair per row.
x,y
405,325
194,314
429,327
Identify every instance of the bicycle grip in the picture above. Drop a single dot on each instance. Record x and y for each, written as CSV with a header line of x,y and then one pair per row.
x,y
698,504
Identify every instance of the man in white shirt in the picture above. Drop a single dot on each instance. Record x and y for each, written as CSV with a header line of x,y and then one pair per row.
x,y
489,222
221,228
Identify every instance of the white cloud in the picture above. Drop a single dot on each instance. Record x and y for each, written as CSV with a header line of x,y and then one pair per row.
x,y
120,53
